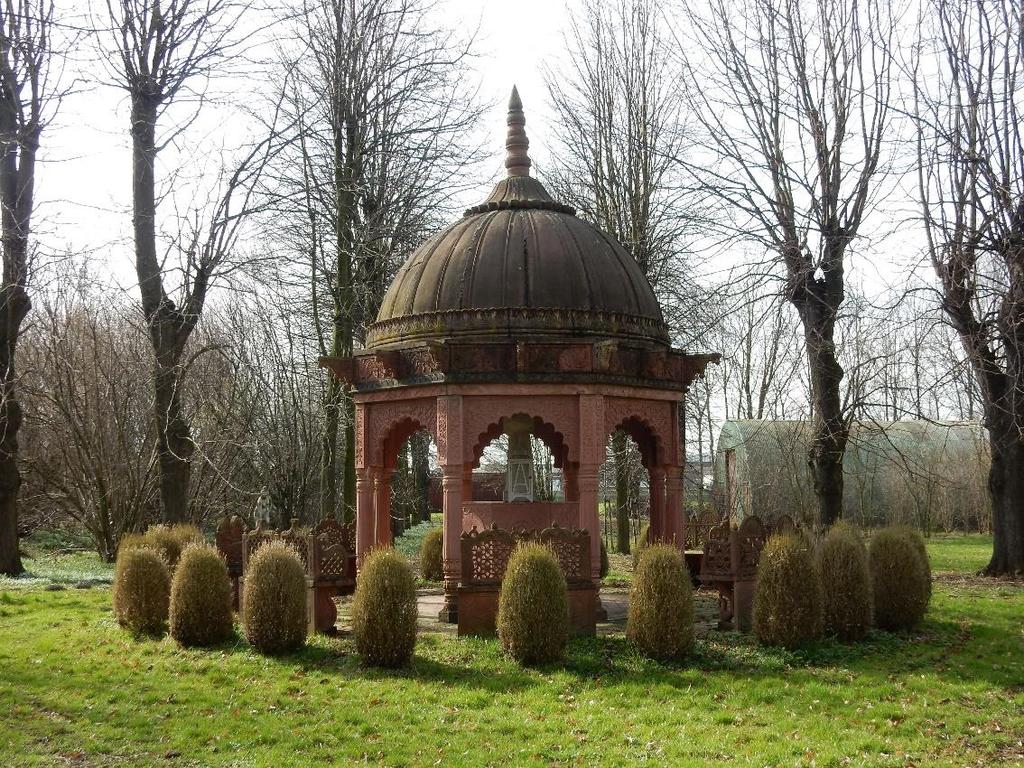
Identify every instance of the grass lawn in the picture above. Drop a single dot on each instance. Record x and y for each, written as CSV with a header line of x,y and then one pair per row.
x,y
963,554
77,690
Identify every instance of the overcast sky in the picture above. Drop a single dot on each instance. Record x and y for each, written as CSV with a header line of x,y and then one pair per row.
x,y
85,178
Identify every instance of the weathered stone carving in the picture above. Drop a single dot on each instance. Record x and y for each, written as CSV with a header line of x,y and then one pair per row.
x,y
485,556
730,566
229,537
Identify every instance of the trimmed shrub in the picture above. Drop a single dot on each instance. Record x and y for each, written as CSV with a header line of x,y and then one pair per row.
x,y
788,600
274,601
431,553
900,577
172,539
167,540
200,598
533,606
604,560
918,541
660,621
141,589
135,541
846,583
384,610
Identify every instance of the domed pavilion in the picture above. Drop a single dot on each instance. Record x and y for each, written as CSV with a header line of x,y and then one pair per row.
x,y
519,319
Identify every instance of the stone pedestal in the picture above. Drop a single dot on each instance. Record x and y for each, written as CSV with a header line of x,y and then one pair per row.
x,y
519,470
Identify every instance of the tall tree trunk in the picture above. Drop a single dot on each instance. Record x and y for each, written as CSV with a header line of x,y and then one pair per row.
x,y
10,477
20,141
1006,489
163,320
817,301
340,409
174,441
329,450
830,432
15,306
619,449
419,449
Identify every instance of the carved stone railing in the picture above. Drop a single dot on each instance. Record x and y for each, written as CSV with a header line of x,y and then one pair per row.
x,y
729,565
485,556
509,516
784,524
229,537
572,550
327,552
332,550
699,527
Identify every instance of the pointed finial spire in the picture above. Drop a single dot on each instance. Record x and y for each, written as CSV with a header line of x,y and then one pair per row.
x,y
517,161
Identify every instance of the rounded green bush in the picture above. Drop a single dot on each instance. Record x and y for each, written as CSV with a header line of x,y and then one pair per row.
x,y
533,606
917,540
274,600
200,613
431,552
141,590
660,621
384,610
136,541
788,597
901,580
170,540
846,583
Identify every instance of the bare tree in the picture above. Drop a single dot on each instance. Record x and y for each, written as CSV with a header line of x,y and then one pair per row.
x,y
618,126
383,110
27,91
793,99
762,353
160,53
91,455
970,118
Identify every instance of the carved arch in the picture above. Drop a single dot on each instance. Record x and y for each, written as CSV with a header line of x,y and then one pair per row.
x,y
558,416
542,430
648,422
391,424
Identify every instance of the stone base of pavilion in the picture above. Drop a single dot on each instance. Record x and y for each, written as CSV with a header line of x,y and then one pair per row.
x,y
615,600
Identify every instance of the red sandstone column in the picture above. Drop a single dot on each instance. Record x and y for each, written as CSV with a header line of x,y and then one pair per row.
x,y
450,456
382,508
591,455
365,522
570,485
589,516
467,483
675,519
659,529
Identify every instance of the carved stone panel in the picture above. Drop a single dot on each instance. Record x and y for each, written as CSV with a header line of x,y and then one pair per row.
x,y
593,436
450,430
332,550
229,543
750,538
485,556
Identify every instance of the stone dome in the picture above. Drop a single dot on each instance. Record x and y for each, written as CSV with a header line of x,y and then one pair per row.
x,y
519,265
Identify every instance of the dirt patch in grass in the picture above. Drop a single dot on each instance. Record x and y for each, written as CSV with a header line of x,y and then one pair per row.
x,y
958,579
